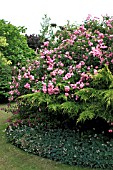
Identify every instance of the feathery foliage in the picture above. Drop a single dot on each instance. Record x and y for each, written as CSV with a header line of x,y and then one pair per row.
x,y
99,98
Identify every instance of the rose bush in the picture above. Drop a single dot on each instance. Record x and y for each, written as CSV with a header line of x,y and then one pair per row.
x,y
65,66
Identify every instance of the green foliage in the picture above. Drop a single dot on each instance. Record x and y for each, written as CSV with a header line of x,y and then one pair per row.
x,y
67,146
46,31
98,99
108,98
92,103
5,71
3,42
104,79
87,114
70,108
17,49
13,50
12,157
95,101
54,107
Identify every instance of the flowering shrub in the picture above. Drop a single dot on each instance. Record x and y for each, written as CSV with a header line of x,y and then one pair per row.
x,y
66,65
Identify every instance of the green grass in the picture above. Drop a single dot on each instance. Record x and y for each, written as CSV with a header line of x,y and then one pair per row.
x,y
12,158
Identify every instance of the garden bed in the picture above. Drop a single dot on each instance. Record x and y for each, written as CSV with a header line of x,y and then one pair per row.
x,y
66,146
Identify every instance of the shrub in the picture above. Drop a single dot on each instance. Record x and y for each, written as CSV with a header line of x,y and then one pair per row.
x,y
97,100
67,66
33,41
13,49
93,102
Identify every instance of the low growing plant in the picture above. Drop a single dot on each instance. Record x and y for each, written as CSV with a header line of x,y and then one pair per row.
x,y
66,146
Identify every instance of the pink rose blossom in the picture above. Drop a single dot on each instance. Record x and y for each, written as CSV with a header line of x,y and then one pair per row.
x,y
44,89
46,43
11,98
77,97
103,46
23,68
28,73
82,63
59,56
56,90
90,43
50,67
74,86
95,51
101,35
87,84
67,88
11,92
67,76
42,56
11,87
95,71
60,72
16,85
31,77
81,85
110,130
78,66
27,86
54,80
88,68
107,62
25,75
96,67
50,90
76,32
19,77
88,17
66,94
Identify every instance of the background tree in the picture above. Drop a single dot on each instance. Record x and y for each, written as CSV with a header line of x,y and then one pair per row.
x,y
17,49
5,71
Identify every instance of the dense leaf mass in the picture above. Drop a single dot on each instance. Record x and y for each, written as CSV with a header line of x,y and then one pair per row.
x,y
17,49
67,146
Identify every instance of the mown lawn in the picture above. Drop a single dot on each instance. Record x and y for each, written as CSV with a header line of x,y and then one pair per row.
x,y
12,158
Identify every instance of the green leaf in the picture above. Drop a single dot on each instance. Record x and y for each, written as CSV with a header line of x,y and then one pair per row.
x,y
71,108
85,115
54,107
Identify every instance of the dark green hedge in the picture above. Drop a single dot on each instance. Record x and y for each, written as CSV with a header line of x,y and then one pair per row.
x,y
67,146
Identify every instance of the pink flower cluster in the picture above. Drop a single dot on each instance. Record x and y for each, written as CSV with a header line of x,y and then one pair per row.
x,y
50,89
70,62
